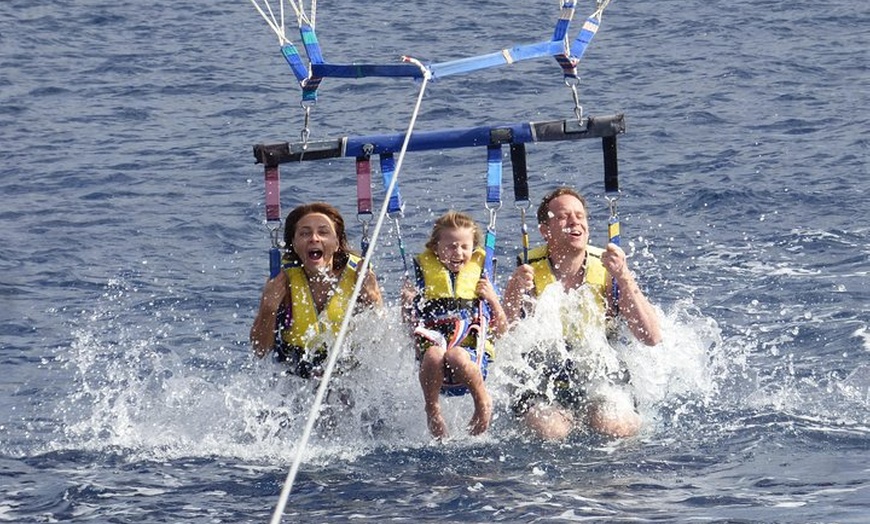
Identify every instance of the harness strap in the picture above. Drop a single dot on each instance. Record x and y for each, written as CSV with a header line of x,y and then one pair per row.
x,y
489,260
273,193
364,197
315,56
611,164
388,171
494,172
521,192
493,175
613,236
566,14
560,34
309,40
590,27
395,206
294,60
273,215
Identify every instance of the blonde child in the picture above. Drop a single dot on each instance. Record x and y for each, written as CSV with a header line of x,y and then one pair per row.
x,y
446,306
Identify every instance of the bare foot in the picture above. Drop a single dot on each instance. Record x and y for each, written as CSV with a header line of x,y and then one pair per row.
x,y
482,415
437,424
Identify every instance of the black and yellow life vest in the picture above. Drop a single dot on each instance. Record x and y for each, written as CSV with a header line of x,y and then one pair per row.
x,y
306,328
445,296
596,274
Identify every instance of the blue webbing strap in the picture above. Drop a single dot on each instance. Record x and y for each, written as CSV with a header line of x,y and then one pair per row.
x,y
493,175
291,54
274,261
494,170
312,46
489,261
395,206
312,49
587,32
388,170
493,203
569,66
566,14
590,27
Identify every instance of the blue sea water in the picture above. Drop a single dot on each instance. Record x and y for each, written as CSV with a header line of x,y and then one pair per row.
x,y
134,251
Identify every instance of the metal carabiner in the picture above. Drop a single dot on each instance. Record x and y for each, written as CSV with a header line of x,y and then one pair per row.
x,y
573,82
611,203
493,211
306,132
274,234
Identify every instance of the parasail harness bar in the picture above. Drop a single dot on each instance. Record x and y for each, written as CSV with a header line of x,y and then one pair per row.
x,y
603,127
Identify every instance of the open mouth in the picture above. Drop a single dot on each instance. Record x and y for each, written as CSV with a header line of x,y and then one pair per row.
x,y
315,254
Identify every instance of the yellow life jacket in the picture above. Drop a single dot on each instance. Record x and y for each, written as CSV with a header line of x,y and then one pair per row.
x,y
444,296
596,274
307,328
440,284
577,324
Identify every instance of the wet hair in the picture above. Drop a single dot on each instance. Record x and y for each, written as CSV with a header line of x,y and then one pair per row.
x,y
453,220
293,218
544,208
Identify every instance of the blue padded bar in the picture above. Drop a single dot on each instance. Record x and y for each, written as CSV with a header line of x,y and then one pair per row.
x,y
520,133
366,70
428,140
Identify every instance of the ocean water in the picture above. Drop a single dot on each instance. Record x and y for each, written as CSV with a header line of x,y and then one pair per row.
x,y
134,251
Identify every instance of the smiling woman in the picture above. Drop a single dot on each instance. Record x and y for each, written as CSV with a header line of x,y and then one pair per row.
x,y
302,307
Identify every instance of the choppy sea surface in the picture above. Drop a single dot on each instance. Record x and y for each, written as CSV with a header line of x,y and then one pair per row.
x,y
134,250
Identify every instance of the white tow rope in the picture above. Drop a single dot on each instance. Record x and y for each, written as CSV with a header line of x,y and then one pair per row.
x,y
339,340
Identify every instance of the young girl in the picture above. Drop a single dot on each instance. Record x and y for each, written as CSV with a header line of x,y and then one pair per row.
x,y
445,308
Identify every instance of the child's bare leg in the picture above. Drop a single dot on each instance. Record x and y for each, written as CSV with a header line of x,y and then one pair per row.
x,y
431,378
467,372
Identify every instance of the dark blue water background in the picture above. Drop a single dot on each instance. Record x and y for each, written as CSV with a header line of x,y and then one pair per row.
x,y
134,250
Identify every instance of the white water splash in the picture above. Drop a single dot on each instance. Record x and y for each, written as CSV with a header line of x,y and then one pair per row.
x,y
161,390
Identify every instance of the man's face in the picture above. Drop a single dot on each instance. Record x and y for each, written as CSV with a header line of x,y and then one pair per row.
x,y
567,228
